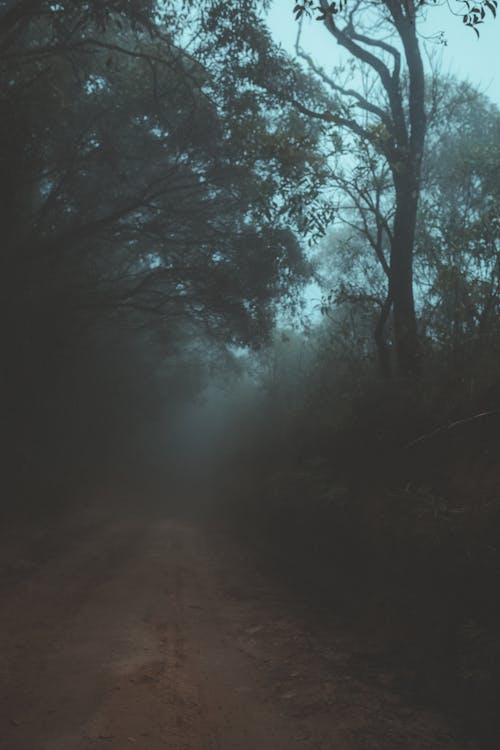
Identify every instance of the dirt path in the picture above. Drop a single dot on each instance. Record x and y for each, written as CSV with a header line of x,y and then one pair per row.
x,y
148,632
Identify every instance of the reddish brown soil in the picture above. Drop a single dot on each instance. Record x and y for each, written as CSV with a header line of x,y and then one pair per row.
x,y
131,629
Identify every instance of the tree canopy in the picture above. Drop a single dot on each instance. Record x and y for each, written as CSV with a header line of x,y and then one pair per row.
x,y
145,189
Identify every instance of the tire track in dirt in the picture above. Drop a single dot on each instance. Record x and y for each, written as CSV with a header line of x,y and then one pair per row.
x,y
151,633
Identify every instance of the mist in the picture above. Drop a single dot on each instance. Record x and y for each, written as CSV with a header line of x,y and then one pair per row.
x,y
250,377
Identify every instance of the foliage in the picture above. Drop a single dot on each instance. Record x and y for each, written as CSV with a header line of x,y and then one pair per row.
x,y
146,191
456,241
459,232
473,14
385,115
130,181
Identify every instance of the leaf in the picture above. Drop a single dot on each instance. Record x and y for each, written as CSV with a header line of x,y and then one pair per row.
x,y
492,6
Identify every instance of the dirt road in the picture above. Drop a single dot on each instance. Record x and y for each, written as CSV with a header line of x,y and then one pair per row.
x,y
123,629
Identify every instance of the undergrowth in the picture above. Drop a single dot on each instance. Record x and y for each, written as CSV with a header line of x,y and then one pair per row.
x,y
385,505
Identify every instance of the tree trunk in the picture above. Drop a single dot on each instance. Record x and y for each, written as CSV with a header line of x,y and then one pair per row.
x,y
383,350
402,119
401,279
406,172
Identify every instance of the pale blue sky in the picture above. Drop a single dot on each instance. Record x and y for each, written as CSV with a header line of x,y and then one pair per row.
x,y
465,55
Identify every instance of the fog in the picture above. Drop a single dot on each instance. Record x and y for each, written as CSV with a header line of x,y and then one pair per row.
x,y
249,384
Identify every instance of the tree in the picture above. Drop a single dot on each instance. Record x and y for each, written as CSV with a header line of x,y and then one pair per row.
x,y
390,115
135,197
137,180
458,232
364,205
351,276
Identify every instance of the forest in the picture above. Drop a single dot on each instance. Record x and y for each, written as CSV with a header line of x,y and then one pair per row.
x,y
260,296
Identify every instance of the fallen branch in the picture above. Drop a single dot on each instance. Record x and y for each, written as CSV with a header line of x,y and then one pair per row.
x,y
451,426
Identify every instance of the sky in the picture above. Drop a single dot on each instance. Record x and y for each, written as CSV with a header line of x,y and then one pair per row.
x,y
464,55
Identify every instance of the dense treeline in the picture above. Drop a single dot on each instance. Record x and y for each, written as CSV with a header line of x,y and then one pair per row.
x,y
140,188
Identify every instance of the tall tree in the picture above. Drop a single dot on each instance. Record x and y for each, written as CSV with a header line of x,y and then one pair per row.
x,y
388,113
456,252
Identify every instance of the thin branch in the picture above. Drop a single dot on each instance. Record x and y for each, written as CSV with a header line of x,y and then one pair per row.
x,y
344,38
390,81
452,426
361,101
334,118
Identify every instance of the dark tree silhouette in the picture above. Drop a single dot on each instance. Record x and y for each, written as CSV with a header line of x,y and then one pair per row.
x,y
391,116
133,194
